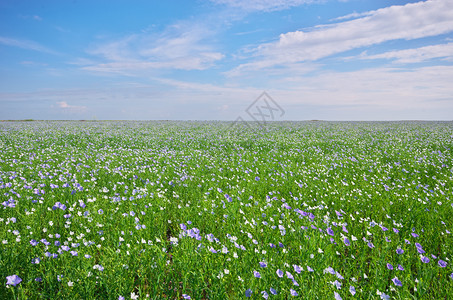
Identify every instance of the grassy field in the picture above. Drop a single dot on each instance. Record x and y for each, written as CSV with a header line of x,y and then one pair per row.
x,y
203,210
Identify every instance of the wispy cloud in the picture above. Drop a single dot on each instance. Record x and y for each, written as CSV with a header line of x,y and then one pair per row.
x,y
181,46
70,108
410,21
32,17
25,44
442,51
353,15
263,5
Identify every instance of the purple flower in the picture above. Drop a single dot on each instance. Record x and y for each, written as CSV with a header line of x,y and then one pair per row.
x,y
352,290
256,274
121,298
36,260
337,284
400,267
397,282
273,292
370,244
309,269
34,242
262,264
396,230
74,253
289,275
337,296
389,266
346,241
38,279
265,294
424,259
330,231
442,263
297,269
65,248
13,280
407,241
185,296
248,293
293,292
414,234
399,251
183,227
279,273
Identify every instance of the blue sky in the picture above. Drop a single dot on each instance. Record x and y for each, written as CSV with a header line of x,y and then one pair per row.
x,y
210,59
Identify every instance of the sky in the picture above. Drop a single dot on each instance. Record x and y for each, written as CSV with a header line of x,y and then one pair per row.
x,y
213,59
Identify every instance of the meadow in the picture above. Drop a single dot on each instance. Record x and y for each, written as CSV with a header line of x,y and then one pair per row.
x,y
205,210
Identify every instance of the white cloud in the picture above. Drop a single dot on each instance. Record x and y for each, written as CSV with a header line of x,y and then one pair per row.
x,y
25,44
264,5
443,51
70,108
181,46
411,21
353,15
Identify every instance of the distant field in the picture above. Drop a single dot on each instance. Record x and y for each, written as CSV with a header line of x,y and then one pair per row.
x,y
204,210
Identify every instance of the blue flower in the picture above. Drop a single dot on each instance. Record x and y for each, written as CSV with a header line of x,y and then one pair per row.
x,y
279,273
248,293
13,280
256,274
397,282
442,263
293,292
289,275
337,296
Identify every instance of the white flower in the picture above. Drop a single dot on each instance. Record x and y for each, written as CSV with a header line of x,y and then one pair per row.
x,y
70,283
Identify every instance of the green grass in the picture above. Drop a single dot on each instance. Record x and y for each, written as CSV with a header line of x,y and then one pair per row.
x,y
128,186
